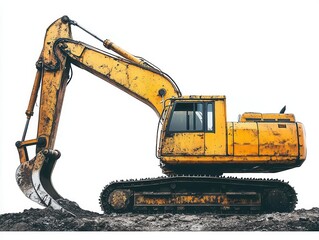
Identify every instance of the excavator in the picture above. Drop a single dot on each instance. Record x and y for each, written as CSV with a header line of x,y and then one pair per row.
x,y
195,143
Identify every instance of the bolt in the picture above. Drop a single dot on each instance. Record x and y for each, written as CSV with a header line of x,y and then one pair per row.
x,y
162,92
65,19
63,45
39,65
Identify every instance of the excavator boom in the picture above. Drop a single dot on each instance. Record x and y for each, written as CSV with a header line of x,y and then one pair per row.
x,y
147,84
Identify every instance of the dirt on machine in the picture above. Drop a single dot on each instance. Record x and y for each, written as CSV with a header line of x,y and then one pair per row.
x,y
195,143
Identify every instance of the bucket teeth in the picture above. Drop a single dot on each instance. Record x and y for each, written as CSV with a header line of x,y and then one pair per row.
x,y
34,179
25,183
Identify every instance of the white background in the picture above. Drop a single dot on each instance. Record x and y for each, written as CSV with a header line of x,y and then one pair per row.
x,y
261,54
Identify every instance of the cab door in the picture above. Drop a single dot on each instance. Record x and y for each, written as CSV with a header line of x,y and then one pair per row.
x,y
185,133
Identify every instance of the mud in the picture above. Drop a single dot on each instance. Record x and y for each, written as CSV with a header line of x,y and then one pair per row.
x,y
52,220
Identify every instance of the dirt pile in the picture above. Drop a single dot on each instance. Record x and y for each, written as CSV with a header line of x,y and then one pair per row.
x,y
52,220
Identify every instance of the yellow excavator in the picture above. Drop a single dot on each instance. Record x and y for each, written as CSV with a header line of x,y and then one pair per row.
x,y
195,143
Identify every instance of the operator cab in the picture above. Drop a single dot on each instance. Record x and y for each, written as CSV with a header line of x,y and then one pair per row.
x,y
194,127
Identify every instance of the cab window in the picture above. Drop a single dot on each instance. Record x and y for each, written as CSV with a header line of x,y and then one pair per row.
x,y
193,117
187,117
210,117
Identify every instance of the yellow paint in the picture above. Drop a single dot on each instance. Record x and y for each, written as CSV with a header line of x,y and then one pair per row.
x,y
215,142
264,117
302,141
141,82
230,138
184,144
53,82
245,139
278,139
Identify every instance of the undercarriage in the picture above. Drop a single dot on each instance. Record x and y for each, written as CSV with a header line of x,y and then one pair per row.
x,y
189,194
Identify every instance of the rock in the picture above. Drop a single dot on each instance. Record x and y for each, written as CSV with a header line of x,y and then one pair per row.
x,y
168,215
197,227
303,219
188,218
20,226
151,219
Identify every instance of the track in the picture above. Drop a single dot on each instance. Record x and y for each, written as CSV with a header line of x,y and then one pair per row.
x,y
190,194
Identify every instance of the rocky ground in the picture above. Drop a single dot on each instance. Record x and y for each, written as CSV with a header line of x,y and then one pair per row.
x,y
52,220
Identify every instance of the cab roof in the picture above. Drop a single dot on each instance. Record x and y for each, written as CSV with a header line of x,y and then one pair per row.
x,y
199,97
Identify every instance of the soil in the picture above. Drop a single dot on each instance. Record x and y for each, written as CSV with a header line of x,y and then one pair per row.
x,y
48,219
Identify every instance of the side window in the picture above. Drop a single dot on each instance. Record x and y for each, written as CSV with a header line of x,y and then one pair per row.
x,y
210,117
187,117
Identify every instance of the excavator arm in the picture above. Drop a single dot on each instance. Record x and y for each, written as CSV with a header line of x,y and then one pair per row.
x,y
133,75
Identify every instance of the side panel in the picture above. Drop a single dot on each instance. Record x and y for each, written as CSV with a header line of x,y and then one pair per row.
x,y
215,141
184,144
302,141
278,139
230,138
245,139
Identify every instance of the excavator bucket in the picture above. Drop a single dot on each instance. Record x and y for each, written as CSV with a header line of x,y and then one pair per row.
x,y
34,179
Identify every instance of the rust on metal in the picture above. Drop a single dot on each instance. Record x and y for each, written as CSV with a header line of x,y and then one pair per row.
x,y
193,199
119,199
24,180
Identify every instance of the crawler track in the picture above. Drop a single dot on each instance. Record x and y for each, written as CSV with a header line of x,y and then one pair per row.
x,y
189,194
